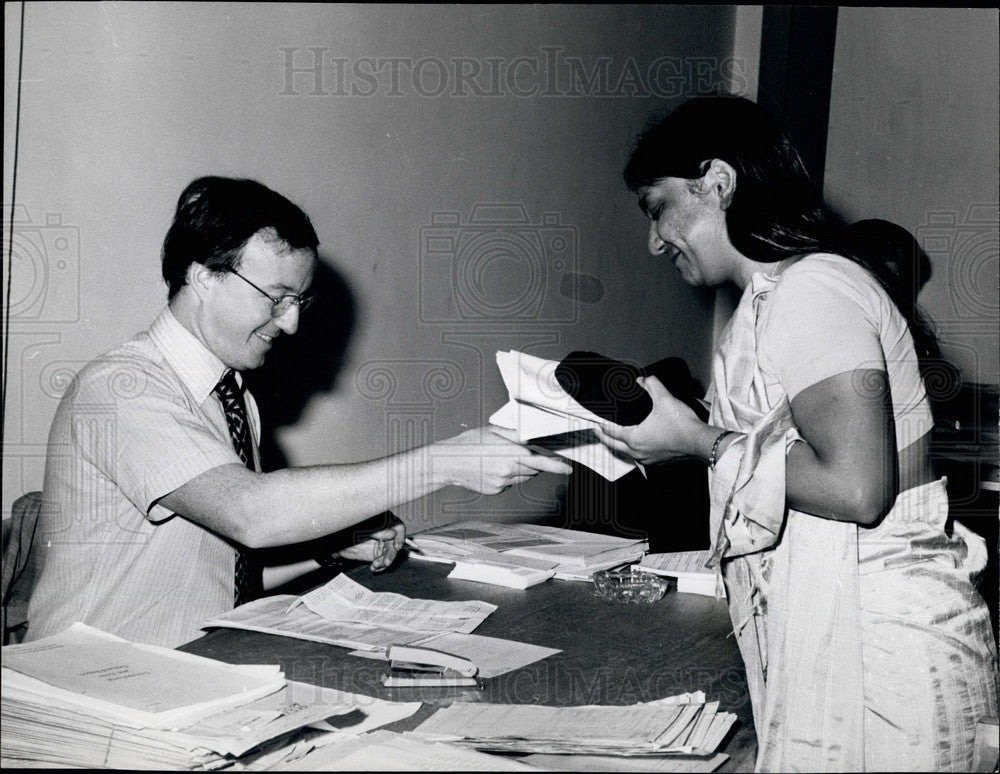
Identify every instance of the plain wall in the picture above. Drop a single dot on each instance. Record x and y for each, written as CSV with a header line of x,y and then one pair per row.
x,y
121,105
913,139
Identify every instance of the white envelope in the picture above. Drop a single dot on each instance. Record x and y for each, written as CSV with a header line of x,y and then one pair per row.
x,y
539,408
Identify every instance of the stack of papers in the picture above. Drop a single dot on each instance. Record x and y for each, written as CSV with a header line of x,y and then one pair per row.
x,y
540,408
86,698
687,727
144,686
667,764
500,573
343,612
389,751
688,567
492,553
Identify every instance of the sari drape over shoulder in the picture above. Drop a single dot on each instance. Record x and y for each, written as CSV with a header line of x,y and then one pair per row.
x,y
865,648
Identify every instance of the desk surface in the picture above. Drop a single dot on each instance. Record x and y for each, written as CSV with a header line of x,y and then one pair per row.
x,y
612,653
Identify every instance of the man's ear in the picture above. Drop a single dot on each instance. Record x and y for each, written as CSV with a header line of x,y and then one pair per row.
x,y
720,178
200,279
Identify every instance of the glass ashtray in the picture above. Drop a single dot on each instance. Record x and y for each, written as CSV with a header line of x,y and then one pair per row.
x,y
628,586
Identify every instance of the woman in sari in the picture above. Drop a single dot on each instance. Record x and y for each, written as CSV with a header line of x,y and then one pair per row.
x,y
866,644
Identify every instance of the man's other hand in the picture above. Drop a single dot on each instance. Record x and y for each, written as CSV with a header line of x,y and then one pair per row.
x,y
380,548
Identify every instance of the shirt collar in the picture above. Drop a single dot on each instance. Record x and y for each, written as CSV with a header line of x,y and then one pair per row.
x,y
198,368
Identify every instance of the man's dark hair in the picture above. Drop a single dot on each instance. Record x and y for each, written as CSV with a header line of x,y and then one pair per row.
x,y
217,216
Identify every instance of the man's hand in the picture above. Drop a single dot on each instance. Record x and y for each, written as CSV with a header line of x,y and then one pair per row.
x,y
380,549
488,461
671,430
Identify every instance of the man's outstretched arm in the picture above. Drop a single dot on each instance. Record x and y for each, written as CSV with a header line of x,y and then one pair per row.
x,y
262,510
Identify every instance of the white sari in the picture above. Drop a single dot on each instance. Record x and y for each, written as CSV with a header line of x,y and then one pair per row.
x,y
865,648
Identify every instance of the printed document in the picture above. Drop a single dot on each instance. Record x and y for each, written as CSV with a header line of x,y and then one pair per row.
x,y
129,683
344,613
344,599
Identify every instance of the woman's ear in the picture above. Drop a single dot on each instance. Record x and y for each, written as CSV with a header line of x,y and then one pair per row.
x,y
720,178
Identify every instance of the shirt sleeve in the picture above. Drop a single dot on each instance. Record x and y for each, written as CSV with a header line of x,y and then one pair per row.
x,y
819,322
138,429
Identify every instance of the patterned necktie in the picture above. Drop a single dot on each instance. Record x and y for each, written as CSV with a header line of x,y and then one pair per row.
x,y
248,577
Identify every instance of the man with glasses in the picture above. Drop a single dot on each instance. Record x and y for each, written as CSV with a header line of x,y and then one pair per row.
x,y
154,499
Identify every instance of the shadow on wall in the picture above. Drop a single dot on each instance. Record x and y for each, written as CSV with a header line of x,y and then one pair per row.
x,y
297,368
303,365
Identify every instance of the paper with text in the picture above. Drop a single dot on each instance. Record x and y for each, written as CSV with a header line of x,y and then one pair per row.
x,y
343,599
276,615
135,684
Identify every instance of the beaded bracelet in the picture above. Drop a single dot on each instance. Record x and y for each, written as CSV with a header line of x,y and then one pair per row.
x,y
715,448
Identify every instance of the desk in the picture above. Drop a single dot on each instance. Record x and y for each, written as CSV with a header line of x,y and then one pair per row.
x,y
612,653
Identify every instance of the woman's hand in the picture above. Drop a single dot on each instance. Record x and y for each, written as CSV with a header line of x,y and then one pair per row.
x,y
671,430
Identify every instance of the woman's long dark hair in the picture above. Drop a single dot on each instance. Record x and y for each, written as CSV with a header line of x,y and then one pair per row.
x,y
901,266
776,211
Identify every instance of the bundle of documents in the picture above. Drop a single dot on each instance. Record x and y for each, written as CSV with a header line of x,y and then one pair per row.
x,y
345,613
540,408
89,699
520,555
689,726
688,567
389,751
500,573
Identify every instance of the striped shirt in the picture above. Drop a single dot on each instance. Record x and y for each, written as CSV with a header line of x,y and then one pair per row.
x,y
136,423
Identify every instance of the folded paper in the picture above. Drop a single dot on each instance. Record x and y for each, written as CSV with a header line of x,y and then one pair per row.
x,y
539,408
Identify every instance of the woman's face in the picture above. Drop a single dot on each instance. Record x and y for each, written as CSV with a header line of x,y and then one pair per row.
x,y
688,226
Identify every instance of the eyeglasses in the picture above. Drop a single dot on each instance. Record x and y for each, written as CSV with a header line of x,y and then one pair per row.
x,y
282,304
